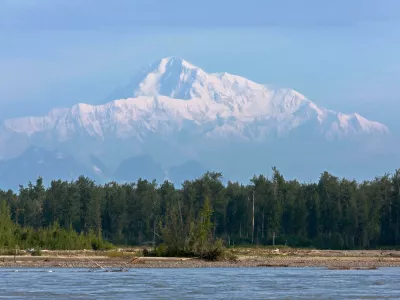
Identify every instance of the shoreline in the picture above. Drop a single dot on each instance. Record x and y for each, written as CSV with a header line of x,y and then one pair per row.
x,y
342,260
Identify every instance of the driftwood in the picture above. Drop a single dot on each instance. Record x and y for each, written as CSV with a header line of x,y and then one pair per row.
x,y
122,269
98,265
133,260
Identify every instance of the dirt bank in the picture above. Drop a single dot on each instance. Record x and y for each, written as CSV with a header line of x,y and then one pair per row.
x,y
246,257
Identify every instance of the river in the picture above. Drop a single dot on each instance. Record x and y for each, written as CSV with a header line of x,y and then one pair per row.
x,y
213,283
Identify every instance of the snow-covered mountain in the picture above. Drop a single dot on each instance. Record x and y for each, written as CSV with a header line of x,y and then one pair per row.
x,y
176,112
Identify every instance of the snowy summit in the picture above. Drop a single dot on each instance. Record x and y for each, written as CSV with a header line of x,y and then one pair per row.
x,y
175,112
172,93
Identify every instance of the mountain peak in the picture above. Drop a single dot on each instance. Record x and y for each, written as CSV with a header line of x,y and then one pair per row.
x,y
173,62
177,78
170,76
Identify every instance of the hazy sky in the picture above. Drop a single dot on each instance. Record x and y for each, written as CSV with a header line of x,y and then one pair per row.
x,y
341,54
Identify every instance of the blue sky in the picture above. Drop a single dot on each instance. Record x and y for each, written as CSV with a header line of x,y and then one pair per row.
x,y
341,54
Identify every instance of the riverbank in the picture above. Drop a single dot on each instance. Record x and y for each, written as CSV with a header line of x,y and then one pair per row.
x,y
245,257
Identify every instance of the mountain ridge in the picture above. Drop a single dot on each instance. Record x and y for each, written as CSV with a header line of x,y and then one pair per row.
x,y
176,112
202,100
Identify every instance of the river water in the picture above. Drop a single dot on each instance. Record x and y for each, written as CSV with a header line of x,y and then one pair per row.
x,y
235,283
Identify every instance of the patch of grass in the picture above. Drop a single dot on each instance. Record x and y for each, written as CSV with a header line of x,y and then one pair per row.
x,y
11,252
255,246
120,254
268,251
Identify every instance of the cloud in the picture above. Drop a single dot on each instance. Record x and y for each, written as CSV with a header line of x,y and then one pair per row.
x,y
100,14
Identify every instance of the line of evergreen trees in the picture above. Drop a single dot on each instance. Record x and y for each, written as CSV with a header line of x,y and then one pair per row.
x,y
15,237
332,213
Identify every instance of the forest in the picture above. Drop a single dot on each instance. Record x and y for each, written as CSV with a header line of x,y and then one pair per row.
x,y
332,213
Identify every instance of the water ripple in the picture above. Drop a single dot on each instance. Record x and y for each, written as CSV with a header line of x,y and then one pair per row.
x,y
248,283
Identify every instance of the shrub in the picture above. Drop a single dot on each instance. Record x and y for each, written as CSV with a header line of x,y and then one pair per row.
x,y
196,242
36,252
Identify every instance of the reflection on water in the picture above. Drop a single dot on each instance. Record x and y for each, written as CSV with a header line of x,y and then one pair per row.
x,y
235,283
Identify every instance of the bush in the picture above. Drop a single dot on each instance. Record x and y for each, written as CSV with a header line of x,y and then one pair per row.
x,y
213,251
196,242
161,250
95,244
147,253
36,252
